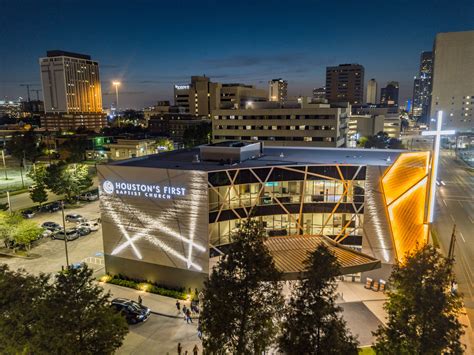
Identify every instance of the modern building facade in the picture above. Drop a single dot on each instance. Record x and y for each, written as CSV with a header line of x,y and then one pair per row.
x,y
319,93
422,87
371,92
278,90
71,90
167,218
453,80
131,148
310,125
369,125
389,94
345,83
202,96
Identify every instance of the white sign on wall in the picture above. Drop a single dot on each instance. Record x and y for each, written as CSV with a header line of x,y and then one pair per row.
x,y
164,192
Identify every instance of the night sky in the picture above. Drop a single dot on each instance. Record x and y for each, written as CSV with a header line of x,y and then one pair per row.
x,y
151,45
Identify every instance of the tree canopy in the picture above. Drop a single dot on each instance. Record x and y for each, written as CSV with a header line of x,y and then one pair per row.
x,y
25,146
69,314
382,141
196,135
242,298
422,311
14,228
313,323
68,179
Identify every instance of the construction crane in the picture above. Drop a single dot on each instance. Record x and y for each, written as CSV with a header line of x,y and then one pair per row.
x,y
37,93
28,89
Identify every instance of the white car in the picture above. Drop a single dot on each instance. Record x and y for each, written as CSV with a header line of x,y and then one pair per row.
x,y
93,226
89,196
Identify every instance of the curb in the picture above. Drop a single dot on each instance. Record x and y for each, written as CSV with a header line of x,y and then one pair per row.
x,y
168,315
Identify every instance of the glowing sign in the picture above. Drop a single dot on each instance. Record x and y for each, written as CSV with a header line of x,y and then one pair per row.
x,y
164,192
181,87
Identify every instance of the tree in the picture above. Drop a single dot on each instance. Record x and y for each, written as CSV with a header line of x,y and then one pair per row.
x,y
38,192
68,179
70,315
242,298
25,232
422,310
166,143
76,149
196,135
313,323
25,146
382,141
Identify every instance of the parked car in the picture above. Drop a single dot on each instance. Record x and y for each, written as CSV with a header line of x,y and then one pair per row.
x,y
93,226
131,310
89,196
28,213
44,234
71,234
82,231
51,226
51,207
74,217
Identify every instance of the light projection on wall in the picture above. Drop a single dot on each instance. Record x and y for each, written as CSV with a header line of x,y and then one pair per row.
x,y
154,228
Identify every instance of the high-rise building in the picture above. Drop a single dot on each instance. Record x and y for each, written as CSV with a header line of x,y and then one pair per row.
x,y
319,93
371,91
453,79
389,94
422,87
345,83
202,96
278,90
71,90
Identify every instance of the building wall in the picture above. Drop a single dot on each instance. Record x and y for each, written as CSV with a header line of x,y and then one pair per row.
x,y
66,122
147,234
345,83
453,80
318,127
278,90
371,92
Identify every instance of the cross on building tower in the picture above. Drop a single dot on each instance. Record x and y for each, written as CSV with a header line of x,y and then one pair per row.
x,y
434,161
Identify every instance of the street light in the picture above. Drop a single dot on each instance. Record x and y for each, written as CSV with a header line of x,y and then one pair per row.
x,y
65,235
116,84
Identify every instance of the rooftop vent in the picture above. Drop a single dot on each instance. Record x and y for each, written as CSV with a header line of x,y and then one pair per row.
x,y
231,151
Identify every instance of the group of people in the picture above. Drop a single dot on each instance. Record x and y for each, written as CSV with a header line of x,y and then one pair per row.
x,y
180,350
187,312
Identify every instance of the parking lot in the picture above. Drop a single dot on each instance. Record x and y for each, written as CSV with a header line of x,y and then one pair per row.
x,y
51,252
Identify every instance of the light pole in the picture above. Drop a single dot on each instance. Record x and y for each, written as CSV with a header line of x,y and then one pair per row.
x,y
65,235
4,164
116,84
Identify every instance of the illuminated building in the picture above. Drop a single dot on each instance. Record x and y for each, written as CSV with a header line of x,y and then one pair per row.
x,y
453,80
168,217
72,91
371,92
319,93
370,125
422,87
201,96
300,124
277,90
389,94
345,83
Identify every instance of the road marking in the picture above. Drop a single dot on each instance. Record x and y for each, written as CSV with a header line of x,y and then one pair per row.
x,y
452,218
460,203
470,218
444,201
464,240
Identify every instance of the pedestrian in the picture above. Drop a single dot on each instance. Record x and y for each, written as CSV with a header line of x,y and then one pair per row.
x,y
140,299
188,316
199,329
180,348
178,305
195,350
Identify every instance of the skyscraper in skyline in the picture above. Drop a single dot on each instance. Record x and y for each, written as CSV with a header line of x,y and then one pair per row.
x,y
278,90
371,91
389,94
422,87
71,90
345,83
453,79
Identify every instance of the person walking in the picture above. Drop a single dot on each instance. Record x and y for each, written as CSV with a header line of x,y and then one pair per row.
x,y
195,350
180,348
140,299
178,305
188,316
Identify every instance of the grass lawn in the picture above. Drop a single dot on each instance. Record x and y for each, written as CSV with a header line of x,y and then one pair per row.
x,y
366,351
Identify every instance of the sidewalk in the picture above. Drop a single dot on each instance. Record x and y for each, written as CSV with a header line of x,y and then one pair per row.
x,y
160,305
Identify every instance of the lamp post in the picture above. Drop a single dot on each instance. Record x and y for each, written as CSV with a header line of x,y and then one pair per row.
x,y
65,235
4,164
116,84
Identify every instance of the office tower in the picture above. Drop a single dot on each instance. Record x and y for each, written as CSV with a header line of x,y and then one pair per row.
x,y
202,96
422,87
278,90
302,124
389,94
453,80
371,91
319,93
71,90
345,83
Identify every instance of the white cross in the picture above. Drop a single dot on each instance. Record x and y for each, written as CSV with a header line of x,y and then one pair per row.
x,y
434,162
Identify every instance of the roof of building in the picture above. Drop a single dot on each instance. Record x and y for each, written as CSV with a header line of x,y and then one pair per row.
x,y
186,159
60,53
290,253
